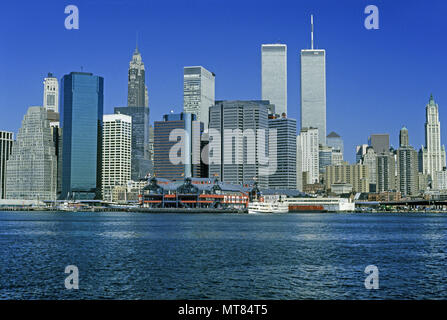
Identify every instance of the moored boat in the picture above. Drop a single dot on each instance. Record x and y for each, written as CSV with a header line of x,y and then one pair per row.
x,y
306,208
268,207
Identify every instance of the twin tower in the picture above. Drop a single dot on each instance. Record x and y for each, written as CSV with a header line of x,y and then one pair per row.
x,y
313,83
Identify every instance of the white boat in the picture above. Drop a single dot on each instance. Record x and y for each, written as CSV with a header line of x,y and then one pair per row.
x,y
268,207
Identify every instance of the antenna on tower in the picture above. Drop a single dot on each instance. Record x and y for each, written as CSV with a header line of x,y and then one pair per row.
x,y
136,40
312,31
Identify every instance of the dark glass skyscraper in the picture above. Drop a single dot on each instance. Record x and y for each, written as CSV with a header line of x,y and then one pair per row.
x,y
140,163
285,174
82,99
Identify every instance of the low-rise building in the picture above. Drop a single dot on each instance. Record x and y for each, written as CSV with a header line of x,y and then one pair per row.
x,y
196,193
385,196
341,188
128,193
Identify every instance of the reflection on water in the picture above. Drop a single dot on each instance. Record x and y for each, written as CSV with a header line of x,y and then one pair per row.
x,y
120,234
204,256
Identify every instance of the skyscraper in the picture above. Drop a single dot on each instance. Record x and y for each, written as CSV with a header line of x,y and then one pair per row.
x,y
335,141
380,142
403,137
141,164
146,97
6,140
386,169
313,89
433,155
181,126
407,170
32,166
274,75
51,93
82,96
137,91
299,165
309,147
151,147
242,128
51,105
360,151
56,131
138,109
198,92
285,175
116,152
439,181
324,157
337,157
407,165
370,160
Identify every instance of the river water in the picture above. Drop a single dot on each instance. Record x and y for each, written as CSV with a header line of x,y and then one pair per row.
x,y
222,256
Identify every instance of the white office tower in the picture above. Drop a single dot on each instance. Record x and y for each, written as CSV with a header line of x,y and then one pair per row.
x,y
116,152
299,165
313,89
433,155
51,93
198,92
274,75
31,172
370,160
309,148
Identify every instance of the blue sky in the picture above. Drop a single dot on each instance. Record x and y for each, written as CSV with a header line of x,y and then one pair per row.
x,y
377,80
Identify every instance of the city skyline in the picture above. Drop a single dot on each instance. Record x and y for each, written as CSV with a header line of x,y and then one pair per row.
x,y
223,150
365,87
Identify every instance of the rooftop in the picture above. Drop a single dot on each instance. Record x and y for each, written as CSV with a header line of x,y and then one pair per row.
x,y
333,135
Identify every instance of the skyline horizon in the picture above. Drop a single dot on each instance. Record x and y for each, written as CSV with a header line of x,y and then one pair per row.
x,y
163,96
236,99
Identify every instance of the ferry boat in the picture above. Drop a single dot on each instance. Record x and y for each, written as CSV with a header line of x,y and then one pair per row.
x,y
281,204
320,204
268,207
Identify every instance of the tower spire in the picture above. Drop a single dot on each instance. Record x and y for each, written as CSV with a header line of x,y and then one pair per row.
x,y
136,42
432,100
312,31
